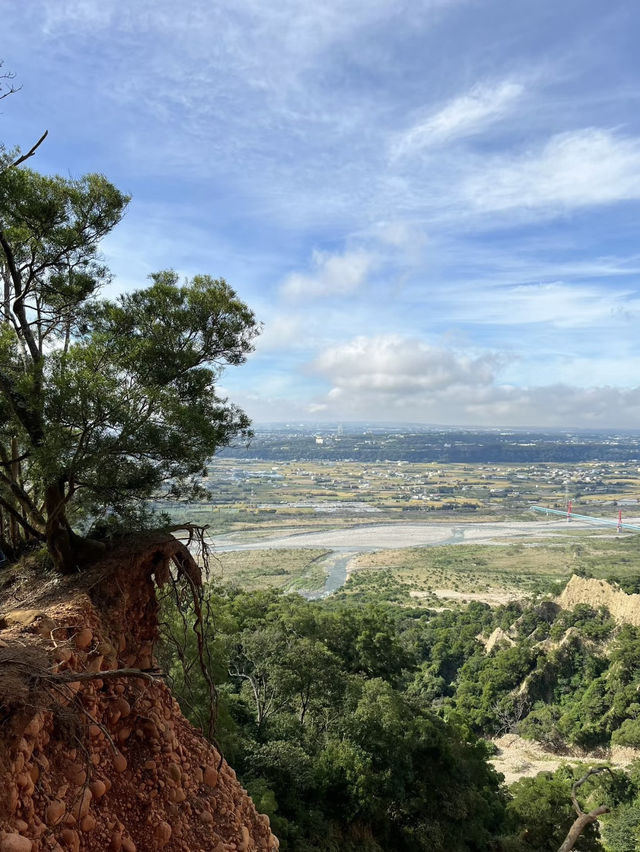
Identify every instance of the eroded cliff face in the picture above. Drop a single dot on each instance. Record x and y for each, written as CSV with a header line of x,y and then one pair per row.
x,y
91,760
624,608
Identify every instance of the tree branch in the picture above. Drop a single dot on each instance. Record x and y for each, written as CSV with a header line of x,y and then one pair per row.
x,y
583,819
31,150
18,302
14,484
22,521
22,497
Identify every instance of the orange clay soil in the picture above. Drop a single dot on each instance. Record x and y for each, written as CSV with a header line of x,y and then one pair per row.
x,y
106,762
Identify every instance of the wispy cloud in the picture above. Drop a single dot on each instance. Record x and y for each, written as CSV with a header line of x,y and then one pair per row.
x,y
572,170
76,14
462,117
465,192
555,303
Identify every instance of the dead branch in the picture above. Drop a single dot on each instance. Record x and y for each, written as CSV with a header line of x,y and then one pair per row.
x,y
71,677
7,88
192,529
29,153
583,819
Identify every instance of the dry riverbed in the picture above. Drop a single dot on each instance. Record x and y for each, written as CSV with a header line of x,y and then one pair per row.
x,y
519,758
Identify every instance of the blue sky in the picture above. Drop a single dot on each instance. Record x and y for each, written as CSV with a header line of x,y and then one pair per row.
x,y
432,206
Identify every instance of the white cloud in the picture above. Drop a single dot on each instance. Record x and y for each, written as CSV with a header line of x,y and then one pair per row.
x,y
395,378
575,169
557,406
393,365
285,331
268,45
462,117
554,303
332,275
273,124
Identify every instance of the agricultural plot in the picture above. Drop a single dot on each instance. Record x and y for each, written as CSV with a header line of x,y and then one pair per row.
x,y
285,517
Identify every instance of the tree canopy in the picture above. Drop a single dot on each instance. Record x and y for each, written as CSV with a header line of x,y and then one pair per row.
x,y
105,403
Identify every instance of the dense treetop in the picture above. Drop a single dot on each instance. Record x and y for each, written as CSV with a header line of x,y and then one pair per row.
x,y
360,725
105,402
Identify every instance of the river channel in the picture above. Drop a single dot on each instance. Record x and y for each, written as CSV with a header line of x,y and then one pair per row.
x,y
347,542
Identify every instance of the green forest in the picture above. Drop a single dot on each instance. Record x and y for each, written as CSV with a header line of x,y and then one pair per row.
x,y
367,725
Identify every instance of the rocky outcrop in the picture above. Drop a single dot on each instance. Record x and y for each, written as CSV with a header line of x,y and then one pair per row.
x,y
625,609
94,758
497,639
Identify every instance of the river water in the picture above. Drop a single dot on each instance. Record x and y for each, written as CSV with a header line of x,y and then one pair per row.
x,y
347,542
336,564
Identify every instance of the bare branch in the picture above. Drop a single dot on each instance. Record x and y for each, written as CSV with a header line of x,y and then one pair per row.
x,y
583,819
9,88
596,770
71,677
29,153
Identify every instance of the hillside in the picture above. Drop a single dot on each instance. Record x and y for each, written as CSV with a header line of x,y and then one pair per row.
x,y
624,608
93,760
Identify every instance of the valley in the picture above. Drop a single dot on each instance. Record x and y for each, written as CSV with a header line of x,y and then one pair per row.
x,y
428,534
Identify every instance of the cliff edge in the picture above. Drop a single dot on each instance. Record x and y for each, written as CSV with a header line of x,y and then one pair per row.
x,y
94,760
624,608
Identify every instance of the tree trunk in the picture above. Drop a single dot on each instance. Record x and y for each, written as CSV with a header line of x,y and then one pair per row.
x,y
58,533
15,532
579,826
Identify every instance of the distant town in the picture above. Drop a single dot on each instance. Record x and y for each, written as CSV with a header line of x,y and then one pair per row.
x,y
415,443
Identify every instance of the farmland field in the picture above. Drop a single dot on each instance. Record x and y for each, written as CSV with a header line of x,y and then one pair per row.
x,y
427,534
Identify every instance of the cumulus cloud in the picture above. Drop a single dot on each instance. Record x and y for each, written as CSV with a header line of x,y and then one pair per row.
x,y
462,117
331,275
395,378
575,169
390,365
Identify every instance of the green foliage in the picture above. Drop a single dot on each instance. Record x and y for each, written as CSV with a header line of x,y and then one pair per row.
x,y
541,814
356,725
592,624
628,734
485,681
629,584
584,698
553,684
104,403
319,725
541,724
622,830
